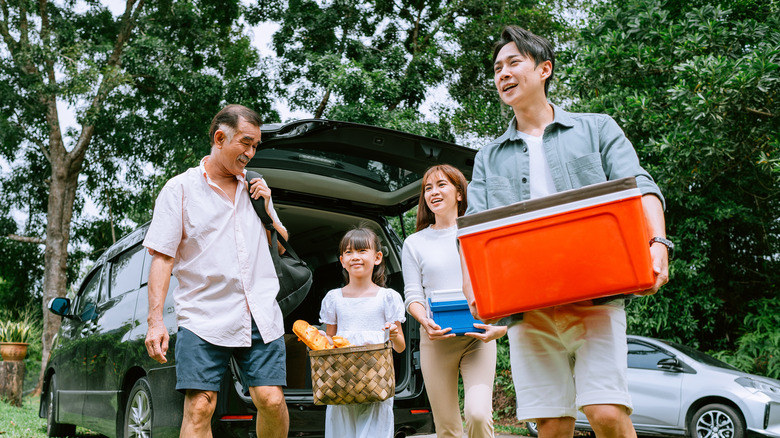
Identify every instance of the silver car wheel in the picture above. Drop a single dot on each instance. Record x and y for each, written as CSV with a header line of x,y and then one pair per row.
x,y
139,414
532,429
717,421
715,424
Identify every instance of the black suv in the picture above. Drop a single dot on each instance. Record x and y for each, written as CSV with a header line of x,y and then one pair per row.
x,y
326,177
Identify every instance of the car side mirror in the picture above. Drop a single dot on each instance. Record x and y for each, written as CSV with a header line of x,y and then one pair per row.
x,y
670,364
60,306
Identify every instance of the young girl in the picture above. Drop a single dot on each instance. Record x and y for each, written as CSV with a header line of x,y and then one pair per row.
x,y
363,311
431,263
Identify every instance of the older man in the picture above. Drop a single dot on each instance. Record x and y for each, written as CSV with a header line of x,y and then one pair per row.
x,y
205,231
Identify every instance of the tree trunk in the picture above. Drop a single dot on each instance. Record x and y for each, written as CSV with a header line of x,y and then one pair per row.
x,y
12,381
65,169
62,193
323,104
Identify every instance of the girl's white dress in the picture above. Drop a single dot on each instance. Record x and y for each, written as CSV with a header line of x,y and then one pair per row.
x,y
361,321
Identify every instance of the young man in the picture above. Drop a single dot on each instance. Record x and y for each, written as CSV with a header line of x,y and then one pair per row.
x,y
544,151
206,232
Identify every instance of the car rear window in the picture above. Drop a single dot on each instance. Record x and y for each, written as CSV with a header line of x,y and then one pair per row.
x,y
126,271
366,172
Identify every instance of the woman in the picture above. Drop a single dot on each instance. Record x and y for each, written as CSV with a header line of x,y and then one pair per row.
x,y
431,262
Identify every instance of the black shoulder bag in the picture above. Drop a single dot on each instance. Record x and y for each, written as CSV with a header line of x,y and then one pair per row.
x,y
294,275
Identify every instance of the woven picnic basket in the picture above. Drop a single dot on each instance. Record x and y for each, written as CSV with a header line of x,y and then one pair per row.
x,y
349,375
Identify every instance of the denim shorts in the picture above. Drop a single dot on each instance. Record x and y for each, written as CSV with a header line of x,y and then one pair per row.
x,y
201,365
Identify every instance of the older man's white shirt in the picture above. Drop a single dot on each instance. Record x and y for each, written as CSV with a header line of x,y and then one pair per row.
x,y
222,260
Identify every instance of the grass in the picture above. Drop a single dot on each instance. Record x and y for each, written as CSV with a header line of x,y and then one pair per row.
x,y
512,430
24,422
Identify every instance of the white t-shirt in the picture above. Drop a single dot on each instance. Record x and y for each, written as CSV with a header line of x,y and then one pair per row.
x,y
539,171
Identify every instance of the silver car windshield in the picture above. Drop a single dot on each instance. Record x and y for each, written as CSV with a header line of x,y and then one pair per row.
x,y
701,357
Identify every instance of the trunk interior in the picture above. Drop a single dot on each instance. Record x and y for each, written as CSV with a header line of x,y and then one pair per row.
x,y
315,235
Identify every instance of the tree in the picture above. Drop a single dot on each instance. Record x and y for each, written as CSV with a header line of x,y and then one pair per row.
x,y
145,86
361,61
22,266
376,61
696,88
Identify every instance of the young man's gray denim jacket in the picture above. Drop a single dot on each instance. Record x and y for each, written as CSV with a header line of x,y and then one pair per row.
x,y
581,149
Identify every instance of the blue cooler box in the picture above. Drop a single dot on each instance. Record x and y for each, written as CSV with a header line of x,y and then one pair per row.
x,y
449,308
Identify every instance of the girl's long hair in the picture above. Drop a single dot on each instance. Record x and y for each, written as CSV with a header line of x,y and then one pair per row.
x,y
425,216
363,238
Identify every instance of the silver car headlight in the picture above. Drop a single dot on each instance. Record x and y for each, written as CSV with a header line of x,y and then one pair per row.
x,y
758,385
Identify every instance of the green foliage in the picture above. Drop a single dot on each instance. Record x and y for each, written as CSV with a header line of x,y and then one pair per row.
x,y
15,331
376,61
187,60
361,61
697,90
180,65
26,319
758,347
504,367
20,273
409,220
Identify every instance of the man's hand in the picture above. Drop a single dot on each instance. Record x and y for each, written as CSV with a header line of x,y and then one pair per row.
x,y
491,332
157,341
258,188
473,308
159,280
659,255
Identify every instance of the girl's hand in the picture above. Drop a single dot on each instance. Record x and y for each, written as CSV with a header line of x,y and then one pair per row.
x,y
327,336
396,336
435,332
491,332
393,330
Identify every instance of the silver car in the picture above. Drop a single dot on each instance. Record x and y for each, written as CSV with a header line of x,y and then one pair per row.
x,y
677,390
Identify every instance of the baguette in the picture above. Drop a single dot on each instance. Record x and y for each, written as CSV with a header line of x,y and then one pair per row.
x,y
310,335
341,342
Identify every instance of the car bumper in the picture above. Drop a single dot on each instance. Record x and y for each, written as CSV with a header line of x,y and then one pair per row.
x,y
771,419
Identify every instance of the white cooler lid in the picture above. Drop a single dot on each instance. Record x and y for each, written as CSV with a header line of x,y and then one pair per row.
x,y
439,296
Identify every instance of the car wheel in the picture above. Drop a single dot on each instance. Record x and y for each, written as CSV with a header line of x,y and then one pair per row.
x,y
717,421
531,426
52,427
139,413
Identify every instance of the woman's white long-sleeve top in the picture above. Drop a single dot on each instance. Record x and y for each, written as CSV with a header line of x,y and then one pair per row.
x,y
430,263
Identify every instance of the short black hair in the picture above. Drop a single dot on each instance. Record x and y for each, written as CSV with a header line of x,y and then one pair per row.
x,y
528,44
230,116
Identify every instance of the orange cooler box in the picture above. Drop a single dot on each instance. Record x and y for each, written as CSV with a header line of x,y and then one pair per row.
x,y
571,246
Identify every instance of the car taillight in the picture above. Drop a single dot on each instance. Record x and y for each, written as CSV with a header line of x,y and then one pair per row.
x,y
236,417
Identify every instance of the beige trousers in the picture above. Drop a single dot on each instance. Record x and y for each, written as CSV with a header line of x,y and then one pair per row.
x,y
440,362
